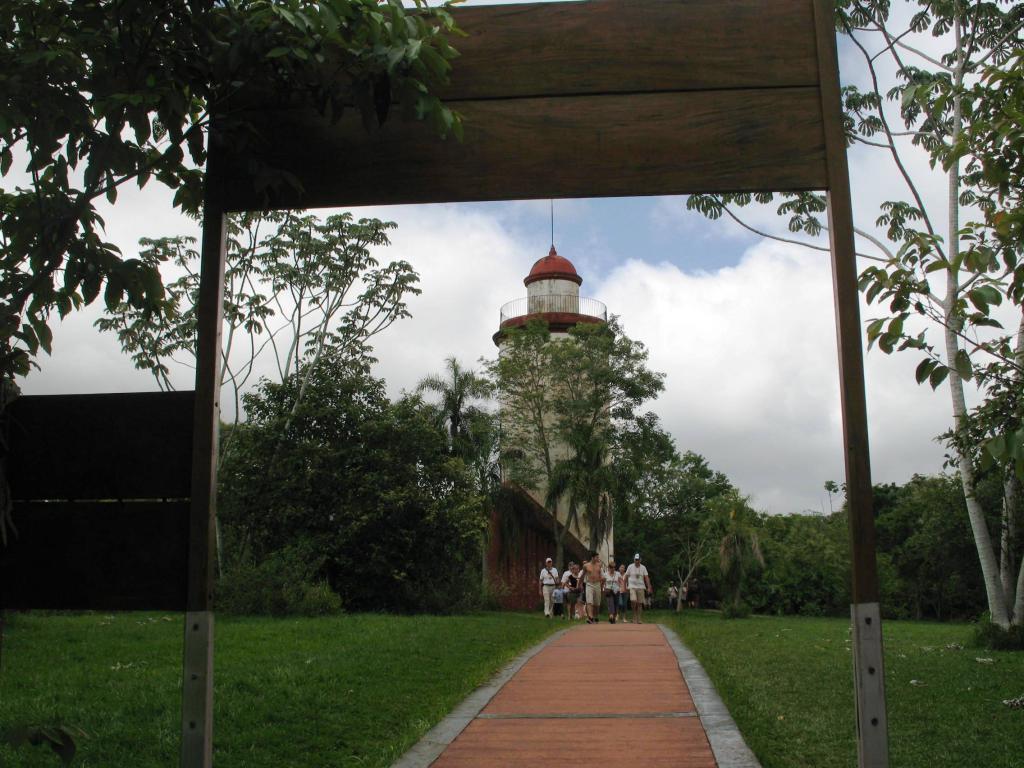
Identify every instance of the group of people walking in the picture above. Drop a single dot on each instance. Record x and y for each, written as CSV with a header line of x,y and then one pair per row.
x,y
580,591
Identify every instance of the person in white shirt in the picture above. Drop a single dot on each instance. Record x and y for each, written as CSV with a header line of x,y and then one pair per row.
x,y
639,583
548,580
611,589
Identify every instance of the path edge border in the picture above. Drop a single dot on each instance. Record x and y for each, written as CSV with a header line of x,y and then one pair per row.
x,y
430,746
727,743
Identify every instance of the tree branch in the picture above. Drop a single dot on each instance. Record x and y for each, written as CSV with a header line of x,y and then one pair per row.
x,y
790,241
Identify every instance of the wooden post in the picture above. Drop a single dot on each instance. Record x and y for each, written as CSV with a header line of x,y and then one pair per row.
x,y
869,683
197,674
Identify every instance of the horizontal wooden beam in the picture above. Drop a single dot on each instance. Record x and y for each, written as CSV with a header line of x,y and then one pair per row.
x,y
579,99
585,146
96,556
632,46
111,446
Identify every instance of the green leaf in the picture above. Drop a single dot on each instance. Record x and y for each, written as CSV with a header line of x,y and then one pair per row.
x,y
924,369
114,292
276,53
1015,445
938,376
90,287
962,365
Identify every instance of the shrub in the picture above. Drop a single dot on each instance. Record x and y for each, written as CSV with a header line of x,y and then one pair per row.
x,y
811,609
738,610
995,638
318,600
281,585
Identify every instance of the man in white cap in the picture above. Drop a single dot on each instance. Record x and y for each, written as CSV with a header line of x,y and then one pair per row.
x,y
548,581
639,584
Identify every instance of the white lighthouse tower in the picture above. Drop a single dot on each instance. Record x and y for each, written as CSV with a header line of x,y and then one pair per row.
x,y
553,295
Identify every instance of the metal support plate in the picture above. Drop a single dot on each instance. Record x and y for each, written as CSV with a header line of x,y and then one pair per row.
x,y
197,690
869,684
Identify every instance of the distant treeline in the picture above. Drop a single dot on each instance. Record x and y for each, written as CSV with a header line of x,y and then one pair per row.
x,y
927,562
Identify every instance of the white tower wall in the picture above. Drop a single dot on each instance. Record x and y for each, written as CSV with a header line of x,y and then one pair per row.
x,y
556,295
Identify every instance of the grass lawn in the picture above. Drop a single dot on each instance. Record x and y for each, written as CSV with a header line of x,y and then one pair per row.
x,y
353,690
788,683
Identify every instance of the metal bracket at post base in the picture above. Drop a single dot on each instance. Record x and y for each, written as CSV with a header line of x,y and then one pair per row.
x,y
197,691
869,685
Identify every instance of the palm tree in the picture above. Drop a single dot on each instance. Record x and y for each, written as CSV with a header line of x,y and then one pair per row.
x,y
739,547
587,481
472,434
457,387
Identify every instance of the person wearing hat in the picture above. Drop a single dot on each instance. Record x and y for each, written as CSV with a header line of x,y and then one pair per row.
x,y
639,583
548,581
571,587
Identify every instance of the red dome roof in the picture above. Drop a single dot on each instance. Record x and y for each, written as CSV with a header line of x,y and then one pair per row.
x,y
553,267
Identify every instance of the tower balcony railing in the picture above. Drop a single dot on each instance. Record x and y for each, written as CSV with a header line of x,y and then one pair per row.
x,y
564,303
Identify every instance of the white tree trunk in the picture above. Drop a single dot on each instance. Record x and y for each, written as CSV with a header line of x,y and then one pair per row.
x,y
1014,592
997,605
1007,572
1018,605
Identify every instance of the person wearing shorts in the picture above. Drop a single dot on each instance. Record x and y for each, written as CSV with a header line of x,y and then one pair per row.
x,y
639,583
593,578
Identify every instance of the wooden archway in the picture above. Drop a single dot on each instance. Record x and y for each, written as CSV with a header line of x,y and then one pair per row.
x,y
566,99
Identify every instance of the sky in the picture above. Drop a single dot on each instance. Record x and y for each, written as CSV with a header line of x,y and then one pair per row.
x,y
742,327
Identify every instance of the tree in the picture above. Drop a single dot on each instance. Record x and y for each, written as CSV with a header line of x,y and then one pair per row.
x,y
528,441
99,95
831,486
930,275
472,432
295,286
457,387
927,534
563,404
402,531
806,565
645,458
733,525
693,491
668,524
601,379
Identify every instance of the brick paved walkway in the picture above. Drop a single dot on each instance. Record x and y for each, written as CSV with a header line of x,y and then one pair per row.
x,y
613,694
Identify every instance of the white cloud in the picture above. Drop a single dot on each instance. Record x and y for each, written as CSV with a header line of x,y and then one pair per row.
x,y
753,379
469,265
